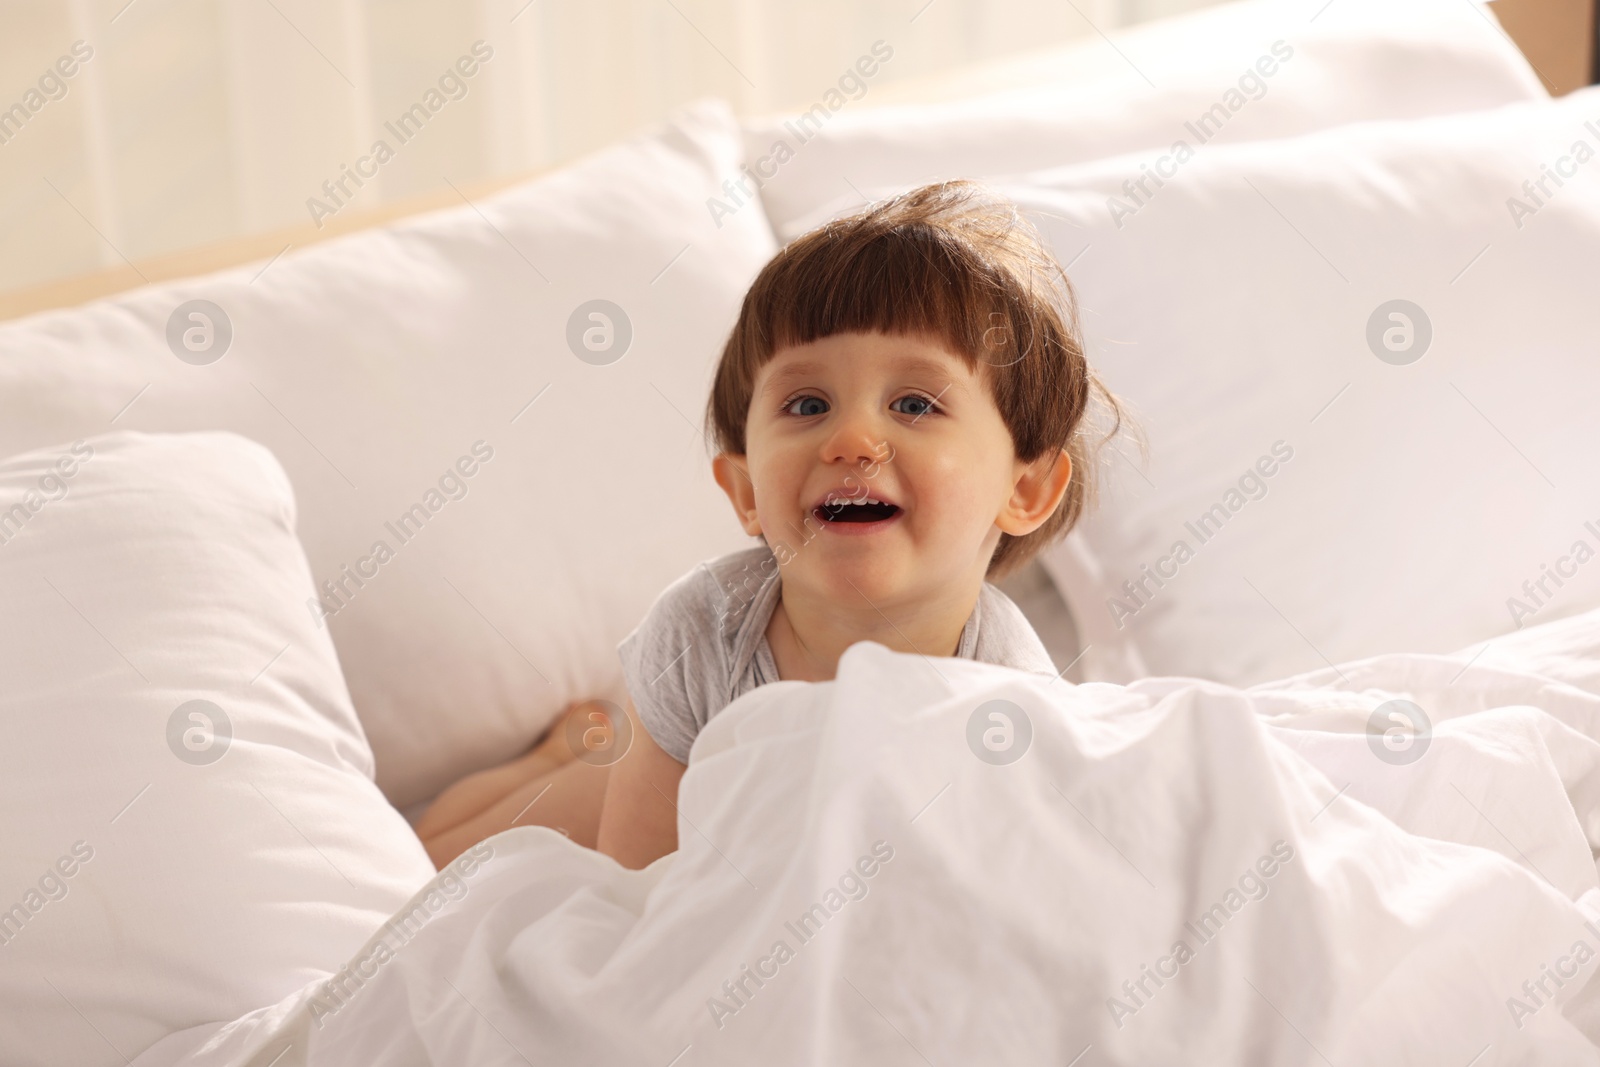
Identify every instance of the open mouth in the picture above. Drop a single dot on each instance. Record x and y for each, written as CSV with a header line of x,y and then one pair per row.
x,y
851,512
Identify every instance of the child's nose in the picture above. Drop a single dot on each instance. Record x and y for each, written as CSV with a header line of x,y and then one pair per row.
x,y
857,436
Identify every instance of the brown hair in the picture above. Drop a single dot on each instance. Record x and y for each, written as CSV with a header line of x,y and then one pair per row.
x,y
951,261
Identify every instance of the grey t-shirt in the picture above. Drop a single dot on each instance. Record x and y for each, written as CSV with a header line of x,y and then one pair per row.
x,y
704,644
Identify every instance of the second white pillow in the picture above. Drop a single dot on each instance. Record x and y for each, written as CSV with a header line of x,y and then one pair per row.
x,y
1364,359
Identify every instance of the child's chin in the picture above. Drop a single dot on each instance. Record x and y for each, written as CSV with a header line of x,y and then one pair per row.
x,y
862,572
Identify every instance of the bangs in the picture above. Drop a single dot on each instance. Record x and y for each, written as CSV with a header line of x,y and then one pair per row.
x,y
917,280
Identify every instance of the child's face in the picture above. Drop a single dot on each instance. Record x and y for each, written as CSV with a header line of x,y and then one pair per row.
x,y
901,420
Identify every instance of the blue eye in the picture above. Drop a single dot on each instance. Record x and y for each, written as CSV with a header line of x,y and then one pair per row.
x,y
821,405
926,405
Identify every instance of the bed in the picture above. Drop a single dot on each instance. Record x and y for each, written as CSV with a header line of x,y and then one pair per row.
x,y
280,560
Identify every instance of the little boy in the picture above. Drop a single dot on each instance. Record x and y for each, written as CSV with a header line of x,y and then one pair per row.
x,y
897,415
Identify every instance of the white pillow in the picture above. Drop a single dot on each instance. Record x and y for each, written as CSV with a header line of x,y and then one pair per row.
x,y
1367,504
164,865
1348,61
392,370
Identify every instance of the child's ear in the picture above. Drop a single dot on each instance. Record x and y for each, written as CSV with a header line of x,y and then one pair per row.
x,y
1039,488
733,474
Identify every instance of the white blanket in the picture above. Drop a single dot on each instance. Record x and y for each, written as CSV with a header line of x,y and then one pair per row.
x,y
1172,872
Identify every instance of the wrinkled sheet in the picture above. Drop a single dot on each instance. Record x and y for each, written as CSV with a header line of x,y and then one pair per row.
x,y
1172,871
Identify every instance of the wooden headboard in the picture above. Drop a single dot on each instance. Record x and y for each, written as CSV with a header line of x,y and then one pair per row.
x,y
1559,37
68,292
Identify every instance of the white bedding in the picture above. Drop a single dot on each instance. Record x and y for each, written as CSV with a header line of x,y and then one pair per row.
x,y
1373,911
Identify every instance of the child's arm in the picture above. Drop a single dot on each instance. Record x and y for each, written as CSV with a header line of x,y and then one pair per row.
x,y
639,823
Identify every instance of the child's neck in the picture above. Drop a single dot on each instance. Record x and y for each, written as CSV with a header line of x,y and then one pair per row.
x,y
807,636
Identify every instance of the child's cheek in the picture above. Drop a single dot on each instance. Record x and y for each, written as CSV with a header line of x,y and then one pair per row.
x,y
955,493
